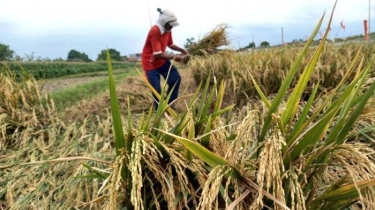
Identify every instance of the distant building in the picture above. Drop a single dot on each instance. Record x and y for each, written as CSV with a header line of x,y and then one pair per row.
x,y
135,57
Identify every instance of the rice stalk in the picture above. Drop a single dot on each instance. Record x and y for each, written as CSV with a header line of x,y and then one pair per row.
x,y
271,168
115,195
211,188
296,190
243,146
210,42
356,163
136,172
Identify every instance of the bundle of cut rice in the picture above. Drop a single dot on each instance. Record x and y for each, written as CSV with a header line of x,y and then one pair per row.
x,y
210,43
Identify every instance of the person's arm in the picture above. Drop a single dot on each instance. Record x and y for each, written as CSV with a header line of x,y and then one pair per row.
x,y
179,49
177,58
156,47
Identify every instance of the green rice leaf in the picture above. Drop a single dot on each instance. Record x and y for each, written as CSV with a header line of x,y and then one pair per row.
x,y
346,100
215,114
204,154
130,128
204,95
169,110
205,141
294,99
286,83
261,94
220,96
314,134
349,123
346,192
117,123
302,118
97,174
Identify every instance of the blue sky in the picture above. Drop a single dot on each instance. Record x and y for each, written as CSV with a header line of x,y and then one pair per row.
x,y
52,28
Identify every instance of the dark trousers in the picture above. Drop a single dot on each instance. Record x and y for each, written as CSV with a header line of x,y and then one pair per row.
x,y
173,80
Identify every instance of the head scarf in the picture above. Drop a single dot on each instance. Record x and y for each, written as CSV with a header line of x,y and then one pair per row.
x,y
166,16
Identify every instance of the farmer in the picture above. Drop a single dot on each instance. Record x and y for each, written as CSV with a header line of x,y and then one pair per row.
x,y
156,62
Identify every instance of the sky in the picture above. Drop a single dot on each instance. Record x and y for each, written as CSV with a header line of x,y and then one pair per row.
x,y
50,29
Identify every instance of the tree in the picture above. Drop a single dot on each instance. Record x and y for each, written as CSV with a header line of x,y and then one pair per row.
x,y
30,57
115,55
74,55
18,58
189,42
265,44
5,52
251,45
58,60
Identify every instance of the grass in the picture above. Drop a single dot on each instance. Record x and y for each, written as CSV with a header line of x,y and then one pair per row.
x,y
130,70
69,97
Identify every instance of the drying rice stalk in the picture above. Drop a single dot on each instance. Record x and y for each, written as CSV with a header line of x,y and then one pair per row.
x,y
210,42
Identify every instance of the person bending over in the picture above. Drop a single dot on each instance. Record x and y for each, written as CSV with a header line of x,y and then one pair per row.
x,y
155,60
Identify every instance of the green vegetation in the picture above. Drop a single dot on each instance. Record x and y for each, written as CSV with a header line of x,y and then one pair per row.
x,y
68,97
5,52
251,45
115,55
46,70
264,44
74,55
130,70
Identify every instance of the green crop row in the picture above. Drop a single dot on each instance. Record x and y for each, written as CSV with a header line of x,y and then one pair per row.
x,y
46,70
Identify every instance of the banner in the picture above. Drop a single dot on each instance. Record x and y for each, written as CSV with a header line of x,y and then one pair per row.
x,y
342,25
365,26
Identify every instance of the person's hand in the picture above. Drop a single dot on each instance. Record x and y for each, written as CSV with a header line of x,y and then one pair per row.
x,y
178,58
185,52
182,58
186,58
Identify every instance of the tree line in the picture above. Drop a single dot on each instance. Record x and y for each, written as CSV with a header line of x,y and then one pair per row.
x,y
7,54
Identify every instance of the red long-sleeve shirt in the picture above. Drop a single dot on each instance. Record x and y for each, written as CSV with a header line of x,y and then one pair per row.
x,y
155,43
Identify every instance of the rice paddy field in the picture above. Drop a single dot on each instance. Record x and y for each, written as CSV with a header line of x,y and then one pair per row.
x,y
286,128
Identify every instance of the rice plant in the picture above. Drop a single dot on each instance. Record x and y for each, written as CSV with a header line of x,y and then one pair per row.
x,y
280,152
300,158
41,156
269,69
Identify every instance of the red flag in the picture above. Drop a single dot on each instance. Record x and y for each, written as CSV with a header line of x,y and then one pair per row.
x,y
365,26
342,25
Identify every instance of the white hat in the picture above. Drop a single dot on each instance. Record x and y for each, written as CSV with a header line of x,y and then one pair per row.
x,y
167,16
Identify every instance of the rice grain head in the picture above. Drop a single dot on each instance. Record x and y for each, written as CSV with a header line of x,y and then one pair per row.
x,y
211,188
271,168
